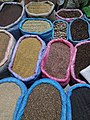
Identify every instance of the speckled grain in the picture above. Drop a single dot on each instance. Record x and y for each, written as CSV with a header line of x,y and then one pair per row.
x,y
4,41
9,94
26,57
58,60
44,103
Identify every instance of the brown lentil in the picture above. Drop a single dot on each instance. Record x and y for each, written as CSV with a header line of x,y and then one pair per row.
x,y
26,57
4,41
79,30
39,7
58,60
69,14
9,14
36,26
9,94
82,59
44,103
60,30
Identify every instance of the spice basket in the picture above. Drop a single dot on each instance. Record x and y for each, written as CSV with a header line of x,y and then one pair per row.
x,y
79,32
69,10
61,28
78,102
58,69
8,24
26,58
48,90
7,43
82,61
45,27
43,9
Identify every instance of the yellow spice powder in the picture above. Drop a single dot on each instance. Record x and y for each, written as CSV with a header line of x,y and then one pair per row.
x,y
26,57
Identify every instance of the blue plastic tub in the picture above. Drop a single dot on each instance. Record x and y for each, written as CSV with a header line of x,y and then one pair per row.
x,y
46,36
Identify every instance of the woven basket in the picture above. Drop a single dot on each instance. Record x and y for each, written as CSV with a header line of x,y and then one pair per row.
x,y
12,92
49,98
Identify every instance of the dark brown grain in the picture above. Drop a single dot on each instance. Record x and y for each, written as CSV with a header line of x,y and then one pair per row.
x,y
69,14
9,14
4,41
79,30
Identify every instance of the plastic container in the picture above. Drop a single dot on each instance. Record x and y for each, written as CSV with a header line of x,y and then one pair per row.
x,y
49,13
70,36
36,70
12,92
7,43
45,82
65,79
46,35
78,101
13,27
68,10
